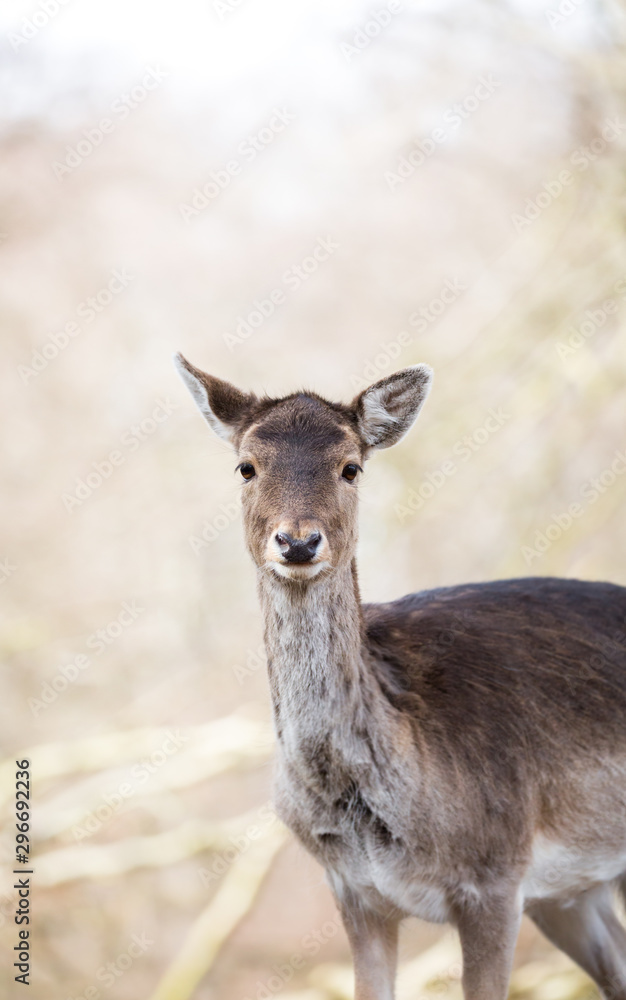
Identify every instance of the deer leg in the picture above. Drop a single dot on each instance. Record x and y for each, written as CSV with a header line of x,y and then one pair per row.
x,y
589,931
374,944
488,930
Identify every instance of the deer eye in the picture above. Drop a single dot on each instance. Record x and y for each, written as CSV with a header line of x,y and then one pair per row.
x,y
247,470
350,472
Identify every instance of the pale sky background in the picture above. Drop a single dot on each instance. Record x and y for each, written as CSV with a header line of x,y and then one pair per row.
x,y
101,45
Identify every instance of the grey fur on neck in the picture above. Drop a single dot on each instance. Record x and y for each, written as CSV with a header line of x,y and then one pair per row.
x,y
313,638
336,731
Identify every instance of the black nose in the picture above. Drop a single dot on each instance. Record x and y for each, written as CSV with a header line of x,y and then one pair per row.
x,y
296,550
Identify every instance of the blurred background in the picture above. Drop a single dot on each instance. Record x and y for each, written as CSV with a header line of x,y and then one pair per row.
x,y
310,194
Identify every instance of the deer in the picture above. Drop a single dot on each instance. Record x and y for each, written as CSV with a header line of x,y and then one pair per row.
x,y
456,755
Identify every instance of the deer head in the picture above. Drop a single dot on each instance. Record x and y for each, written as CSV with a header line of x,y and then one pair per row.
x,y
300,458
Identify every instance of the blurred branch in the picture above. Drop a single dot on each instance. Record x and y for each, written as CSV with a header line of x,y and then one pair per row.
x,y
231,903
307,995
217,747
156,851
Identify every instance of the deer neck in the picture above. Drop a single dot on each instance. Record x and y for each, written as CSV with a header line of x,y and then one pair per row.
x,y
336,730
313,638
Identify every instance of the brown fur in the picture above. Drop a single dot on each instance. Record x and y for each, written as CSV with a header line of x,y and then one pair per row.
x,y
458,754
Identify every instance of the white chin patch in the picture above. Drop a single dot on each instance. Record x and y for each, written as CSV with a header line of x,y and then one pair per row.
x,y
297,571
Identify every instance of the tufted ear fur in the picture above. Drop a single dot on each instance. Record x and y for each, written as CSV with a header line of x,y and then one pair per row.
x,y
226,409
389,408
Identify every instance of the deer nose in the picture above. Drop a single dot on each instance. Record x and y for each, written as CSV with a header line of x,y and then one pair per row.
x,y
298,550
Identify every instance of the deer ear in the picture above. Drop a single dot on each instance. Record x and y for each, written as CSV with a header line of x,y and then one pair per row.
x,y
388,409
225,408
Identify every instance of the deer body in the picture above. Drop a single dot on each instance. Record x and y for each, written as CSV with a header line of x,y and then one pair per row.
x,y
397,823
457,755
